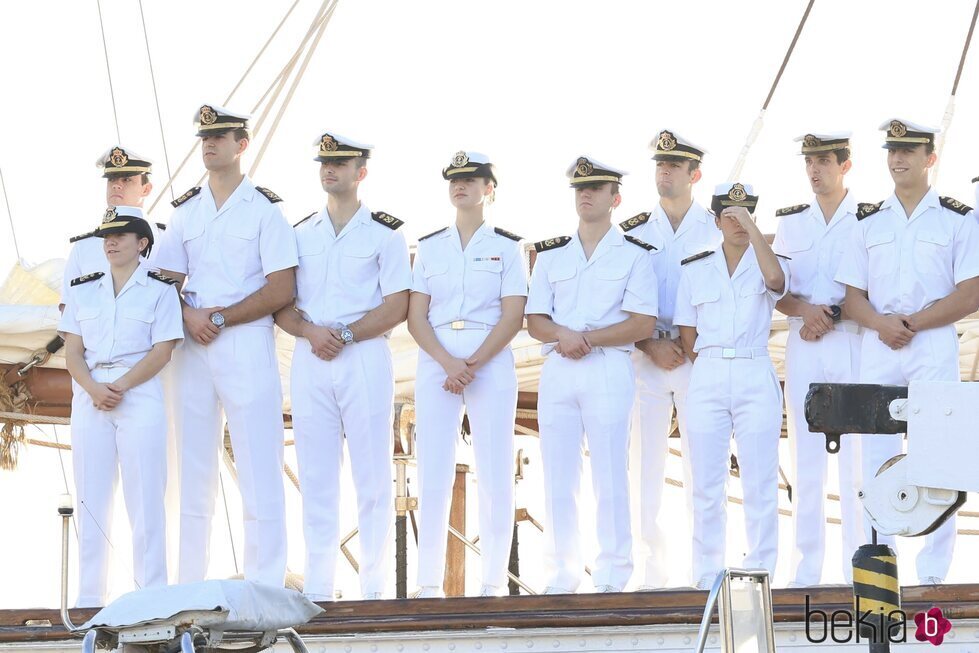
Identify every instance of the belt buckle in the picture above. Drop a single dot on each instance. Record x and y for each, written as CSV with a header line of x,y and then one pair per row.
x,y
729,352
457,325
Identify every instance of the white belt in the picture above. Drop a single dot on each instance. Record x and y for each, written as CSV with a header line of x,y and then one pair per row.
x,y
458,325
734,352
666,334
109,366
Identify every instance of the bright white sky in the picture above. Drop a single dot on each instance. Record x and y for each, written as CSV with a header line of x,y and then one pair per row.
x,y
532,84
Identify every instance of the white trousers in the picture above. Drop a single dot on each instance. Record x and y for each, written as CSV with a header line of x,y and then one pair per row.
x,y
491,402
578,399
742,395
657,392
131,437
349,398
834,358
932,355
238,373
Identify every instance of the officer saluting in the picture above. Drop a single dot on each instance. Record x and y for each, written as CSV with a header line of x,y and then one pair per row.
x,y
823,347
468,295
678,227
592,295
724,311
910,273
120,330
353,281
235,255
127,183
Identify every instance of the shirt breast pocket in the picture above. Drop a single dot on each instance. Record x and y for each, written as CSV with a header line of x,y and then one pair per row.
x,y
240,249
135,328
933,253
487,274
609,286
193,240
88,324
312,259
706,301
359,266
881,253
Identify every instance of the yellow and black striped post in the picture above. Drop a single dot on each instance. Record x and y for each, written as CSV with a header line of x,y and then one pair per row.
x,y
876,593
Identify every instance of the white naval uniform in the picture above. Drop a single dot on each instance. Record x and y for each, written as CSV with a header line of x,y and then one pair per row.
x,y
815,249
589,398
87,255
906,264
342,277
659,390
226,254
117,332
466,287
732,387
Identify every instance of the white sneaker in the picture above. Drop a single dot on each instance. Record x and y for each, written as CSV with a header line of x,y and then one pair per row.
x,y
428,592
372,596
550,589
606,589
931,580
492,590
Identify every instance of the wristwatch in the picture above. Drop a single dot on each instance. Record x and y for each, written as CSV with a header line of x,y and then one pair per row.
x,y
217,319
346,334
836,313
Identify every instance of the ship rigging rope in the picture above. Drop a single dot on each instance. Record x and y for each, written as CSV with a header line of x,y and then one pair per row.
x,y
241,80
156,97
760,120
105,51
10,216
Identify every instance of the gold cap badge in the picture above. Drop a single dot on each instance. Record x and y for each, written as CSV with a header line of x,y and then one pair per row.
x,y
118,158
460,159
737,193
897,129
208,115
810,141
328,144
584,168
666,141
110,215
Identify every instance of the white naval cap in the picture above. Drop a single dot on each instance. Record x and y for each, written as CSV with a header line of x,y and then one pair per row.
x,y
904,133
733,194
119,161
588,170
671,146
331,145
466,163
125,219
814,142
215,119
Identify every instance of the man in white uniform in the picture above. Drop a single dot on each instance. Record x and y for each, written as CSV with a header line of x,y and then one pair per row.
x,y
235,255
724,311
910,273
352,289
823,347
592,295
679,227
127,183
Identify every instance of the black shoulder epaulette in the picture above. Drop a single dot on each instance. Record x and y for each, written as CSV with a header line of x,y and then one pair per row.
x,y
634,221
865,210
387,220
783,256
269,195
697,257
161,277
305,219
508,234
954,205
434,233
85,278
75,239
975,179
161,226
551,243
642,243
186,196
791,210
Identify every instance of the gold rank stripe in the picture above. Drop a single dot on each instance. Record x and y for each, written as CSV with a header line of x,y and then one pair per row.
x,y
344,153
113,224
687,155
456,171
585,180
223,125
824,148
745,203
907,139
112,170
876,579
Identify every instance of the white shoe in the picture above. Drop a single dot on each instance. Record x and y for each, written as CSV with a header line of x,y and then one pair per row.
x,y
372,596
931,580
428,592
606,589
492,590
706,583
550,589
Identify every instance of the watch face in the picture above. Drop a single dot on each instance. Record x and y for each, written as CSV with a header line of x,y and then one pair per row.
x,y
347,335
217,319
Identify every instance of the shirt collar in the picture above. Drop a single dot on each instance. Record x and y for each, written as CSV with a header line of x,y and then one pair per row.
x,y
930,200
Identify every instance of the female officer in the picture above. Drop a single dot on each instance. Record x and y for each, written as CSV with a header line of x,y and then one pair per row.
x,y
120,329
724,310
469,287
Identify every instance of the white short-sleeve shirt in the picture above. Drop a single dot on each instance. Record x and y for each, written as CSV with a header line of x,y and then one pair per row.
x,y
697,233
87,256
468,284
585,294
343,276
121,329
816,250
227,253
907,263
727,310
